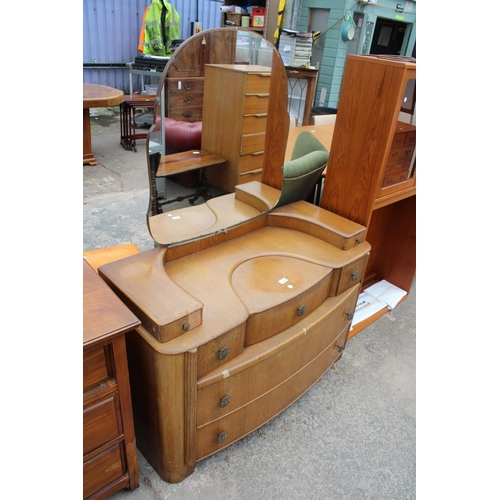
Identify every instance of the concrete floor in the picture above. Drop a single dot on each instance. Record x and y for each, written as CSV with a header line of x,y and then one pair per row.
x,y
351,436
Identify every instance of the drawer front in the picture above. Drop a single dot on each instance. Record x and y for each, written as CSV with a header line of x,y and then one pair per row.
x,y
399,139
352,274
250,177
251,162
398,155
219,351
255,104
103,470
97,366
267,323
220,433
101,423
254,124
186,114
253,143
185,85
411,137
396,176
186,99
258,83
242,387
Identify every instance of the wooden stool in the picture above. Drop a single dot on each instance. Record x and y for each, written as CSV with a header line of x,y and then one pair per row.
x,y
102,256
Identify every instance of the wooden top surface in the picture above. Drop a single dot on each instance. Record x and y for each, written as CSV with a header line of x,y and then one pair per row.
x,y
100,96
323,133
245,68
104,314
185,161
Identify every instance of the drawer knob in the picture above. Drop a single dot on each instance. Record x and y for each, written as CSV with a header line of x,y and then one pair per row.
x,y
187,99
186,115
223,353
225,401
350,315
187,86
341,347
301,311
221,437
355,275
186,327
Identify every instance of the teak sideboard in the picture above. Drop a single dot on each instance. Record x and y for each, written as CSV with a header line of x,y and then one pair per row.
x,y
109,448
235,327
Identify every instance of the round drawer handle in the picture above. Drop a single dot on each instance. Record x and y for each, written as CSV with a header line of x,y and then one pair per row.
x,y
224,401
223,353
355,275
221,437
301,311
186,327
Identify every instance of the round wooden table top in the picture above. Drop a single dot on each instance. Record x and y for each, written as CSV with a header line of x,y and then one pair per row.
x,y
100,96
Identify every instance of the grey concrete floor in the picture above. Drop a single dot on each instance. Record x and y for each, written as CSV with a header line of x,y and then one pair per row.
x,y
351,436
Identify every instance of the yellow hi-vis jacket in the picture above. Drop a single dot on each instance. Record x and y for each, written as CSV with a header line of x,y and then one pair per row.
x,y
161,25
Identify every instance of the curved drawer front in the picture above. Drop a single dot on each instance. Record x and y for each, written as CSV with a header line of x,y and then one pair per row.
x,y
221,433
278,291
220,350
268,364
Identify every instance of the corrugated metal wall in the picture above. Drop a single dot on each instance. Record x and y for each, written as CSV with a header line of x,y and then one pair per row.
x,y
111,33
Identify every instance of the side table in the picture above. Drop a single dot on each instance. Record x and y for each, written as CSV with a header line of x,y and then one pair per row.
x,y
128,125
109,446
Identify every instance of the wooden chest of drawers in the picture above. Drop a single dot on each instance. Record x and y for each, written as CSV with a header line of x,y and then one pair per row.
x,y
401,156
185,99
254,317
109,448
235,113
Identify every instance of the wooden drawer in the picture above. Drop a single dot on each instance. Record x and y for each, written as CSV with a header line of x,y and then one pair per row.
x,y
253,143
270,363
186,114
220,350
255,104
185,85
254,124
411,137
399,155
250,162
103,470
352,274
97,366
250,177
101,423
181,100
222,432
258,83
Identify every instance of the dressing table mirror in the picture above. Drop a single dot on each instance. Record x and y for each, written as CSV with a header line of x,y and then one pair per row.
x,y
232,151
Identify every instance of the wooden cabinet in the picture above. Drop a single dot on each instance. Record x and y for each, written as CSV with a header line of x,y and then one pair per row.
x,y
109,448
185,99
372,167
255,316
302,84
235,106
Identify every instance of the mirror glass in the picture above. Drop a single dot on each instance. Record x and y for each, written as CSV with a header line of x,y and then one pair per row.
x,y
177,150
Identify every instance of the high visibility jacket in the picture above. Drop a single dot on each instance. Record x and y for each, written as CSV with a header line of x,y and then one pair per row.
x,y
161,26
142,35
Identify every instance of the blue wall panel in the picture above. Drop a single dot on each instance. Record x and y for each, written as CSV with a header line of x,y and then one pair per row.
x,y
111,31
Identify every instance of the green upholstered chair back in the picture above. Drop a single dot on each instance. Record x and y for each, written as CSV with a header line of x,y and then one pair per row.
x,y
300,174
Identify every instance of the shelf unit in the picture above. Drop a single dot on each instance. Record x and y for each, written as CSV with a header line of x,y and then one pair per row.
x,y
356,187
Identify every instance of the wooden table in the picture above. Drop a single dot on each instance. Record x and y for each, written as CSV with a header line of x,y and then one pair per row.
x,y
96,96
